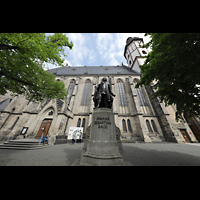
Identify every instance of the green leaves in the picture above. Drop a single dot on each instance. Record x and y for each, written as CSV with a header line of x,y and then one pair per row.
x,y
173,65
21,58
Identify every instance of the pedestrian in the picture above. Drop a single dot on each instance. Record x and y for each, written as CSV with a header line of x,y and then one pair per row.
x,y
45,140
73,138
80,137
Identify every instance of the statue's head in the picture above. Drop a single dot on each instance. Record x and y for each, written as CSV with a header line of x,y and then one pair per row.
x,y
104,79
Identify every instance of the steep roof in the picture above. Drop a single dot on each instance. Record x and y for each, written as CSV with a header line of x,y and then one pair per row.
x,y
129,40
93,70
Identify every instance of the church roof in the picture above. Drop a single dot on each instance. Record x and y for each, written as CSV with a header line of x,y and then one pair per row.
x,y
93,70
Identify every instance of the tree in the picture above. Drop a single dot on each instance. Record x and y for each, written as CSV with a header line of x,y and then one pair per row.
x,y
21,59
173,66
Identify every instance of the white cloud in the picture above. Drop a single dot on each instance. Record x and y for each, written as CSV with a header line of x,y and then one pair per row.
x,y
103,41
81,50
67,62
106,46
111,46
92,55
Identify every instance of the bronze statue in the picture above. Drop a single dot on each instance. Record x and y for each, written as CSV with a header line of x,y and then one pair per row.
x,y
103,95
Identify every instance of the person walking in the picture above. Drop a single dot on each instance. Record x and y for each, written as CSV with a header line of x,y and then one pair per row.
x,y
80,137
46,140
73,138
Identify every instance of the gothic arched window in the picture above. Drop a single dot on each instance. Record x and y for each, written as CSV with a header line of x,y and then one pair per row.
x,y
140,94
86,93
71,89
79,122
124,125
129,126
154,126
149,126
121,93
83,123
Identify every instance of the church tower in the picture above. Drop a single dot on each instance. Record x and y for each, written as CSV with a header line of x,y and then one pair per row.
x,y
134,53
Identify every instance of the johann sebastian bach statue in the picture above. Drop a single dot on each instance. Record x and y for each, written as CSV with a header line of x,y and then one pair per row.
x,y
103,95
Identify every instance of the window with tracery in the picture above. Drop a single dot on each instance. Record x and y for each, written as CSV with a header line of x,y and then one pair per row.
x,y
142,99
140,94
121,93
70,89
86,93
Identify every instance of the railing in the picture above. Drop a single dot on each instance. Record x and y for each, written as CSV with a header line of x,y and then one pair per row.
x,y
40,139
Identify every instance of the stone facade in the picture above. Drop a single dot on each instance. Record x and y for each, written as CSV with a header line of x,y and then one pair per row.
x,y
138,118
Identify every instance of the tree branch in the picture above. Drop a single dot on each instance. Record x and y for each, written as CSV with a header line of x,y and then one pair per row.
x,y
24,40
5,46
10,77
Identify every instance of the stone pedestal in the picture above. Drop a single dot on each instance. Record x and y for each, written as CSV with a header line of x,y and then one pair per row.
x,y
61,139
102,145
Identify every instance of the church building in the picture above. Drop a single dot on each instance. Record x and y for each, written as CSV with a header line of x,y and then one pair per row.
x,y
138,118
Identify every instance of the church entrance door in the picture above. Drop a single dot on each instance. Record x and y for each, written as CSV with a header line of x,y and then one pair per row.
x,y
185,135
44,128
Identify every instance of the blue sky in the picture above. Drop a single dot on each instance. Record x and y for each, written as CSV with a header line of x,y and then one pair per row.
x,y
95,49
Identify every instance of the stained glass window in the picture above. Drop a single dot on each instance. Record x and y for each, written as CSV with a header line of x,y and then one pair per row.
x,y
140,94
121,93
86,93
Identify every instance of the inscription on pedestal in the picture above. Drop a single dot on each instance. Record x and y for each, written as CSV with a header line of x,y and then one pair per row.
x,y
102,122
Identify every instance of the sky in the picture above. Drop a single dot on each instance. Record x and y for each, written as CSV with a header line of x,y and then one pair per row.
x,y
95,49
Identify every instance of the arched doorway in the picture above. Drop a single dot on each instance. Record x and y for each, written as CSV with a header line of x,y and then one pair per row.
x,y
44,128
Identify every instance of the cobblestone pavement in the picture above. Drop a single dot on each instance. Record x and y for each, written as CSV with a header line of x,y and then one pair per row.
x,y
135,154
